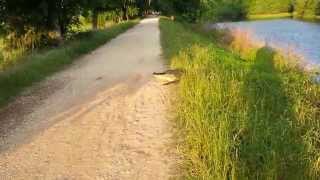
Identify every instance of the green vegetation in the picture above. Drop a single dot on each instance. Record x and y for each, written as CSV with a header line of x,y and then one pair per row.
x,y
213,10
60,15
26,26
40,65
308,9
269,6
217,10
270,16
255,117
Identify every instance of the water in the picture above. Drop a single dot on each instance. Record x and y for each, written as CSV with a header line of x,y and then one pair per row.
x,y
303,38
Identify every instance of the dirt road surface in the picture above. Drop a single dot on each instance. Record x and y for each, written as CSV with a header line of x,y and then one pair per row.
x,y
105,117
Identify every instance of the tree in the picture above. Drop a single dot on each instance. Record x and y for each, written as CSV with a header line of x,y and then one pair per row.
x,y
98,6
68,12
188,10
204,10
144,6
41,14
125,4
307,8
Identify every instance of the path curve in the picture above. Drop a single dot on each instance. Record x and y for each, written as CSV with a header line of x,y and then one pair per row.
x,y
105,117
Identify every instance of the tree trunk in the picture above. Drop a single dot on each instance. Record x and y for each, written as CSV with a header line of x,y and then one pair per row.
x,y
62,28
51,20
95,15
53,23
58,36
305,6
60,25
147,4
125,13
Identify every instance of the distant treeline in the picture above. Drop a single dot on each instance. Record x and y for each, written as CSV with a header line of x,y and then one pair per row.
x,y
192,10
26,25
307,8
61,16
302,8
21,16
270,6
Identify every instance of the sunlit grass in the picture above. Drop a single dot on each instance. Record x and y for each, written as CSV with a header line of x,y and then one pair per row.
x,y
255,118
269,16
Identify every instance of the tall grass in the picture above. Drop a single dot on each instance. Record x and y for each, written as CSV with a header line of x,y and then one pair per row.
x,y
255,118
13,46
38,66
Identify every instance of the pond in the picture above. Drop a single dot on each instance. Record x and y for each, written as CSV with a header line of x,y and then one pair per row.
x,y
300,36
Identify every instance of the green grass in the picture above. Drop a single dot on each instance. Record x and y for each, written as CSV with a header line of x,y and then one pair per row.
x,y
269,16
254,118
38,66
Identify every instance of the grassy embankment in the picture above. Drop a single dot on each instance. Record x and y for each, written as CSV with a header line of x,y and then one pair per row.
x,y
269,16
310,17
282,16
38,66
242,118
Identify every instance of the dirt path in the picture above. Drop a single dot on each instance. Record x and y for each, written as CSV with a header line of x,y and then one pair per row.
x,y
103,118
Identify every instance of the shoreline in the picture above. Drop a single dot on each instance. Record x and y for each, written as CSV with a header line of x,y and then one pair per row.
x,y
289,50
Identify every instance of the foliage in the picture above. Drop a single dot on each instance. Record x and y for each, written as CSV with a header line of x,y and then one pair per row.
x,y
61,15
166,7
26,25
307,8
114,15
228,10
253,118
222,10
133,11
269,6
144,6
197,10
41,14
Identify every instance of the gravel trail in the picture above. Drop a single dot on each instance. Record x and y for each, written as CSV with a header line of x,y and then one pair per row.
x,y
105,117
